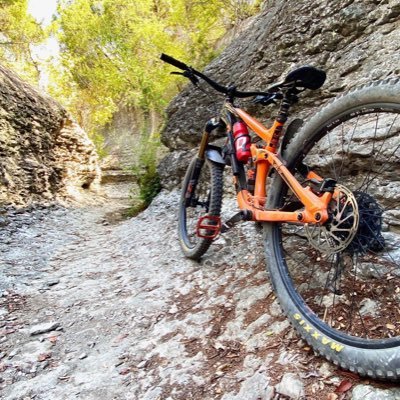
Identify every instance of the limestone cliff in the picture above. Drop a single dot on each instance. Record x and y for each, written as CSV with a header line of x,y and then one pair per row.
x,y
44,154
354,41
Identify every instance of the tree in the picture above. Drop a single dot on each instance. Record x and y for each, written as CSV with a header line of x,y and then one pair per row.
x,y
18,33
110,50
110,57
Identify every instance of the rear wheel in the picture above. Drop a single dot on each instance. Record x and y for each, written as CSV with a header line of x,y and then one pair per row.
x,y
206,200
339,283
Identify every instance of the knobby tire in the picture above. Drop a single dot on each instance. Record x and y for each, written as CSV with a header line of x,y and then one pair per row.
x,y
208,192
346,305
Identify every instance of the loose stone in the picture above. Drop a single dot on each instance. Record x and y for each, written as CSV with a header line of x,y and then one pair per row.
x,y
291,386
43,328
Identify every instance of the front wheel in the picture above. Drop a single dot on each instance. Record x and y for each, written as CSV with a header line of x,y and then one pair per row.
x,y
339,283
205,200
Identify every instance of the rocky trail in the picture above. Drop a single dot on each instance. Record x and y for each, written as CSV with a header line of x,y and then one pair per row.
x,y
94,306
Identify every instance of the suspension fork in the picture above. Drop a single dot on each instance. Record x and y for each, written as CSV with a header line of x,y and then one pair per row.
x,y
211,125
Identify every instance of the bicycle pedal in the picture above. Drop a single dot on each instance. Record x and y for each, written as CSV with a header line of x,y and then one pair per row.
x,y
208,227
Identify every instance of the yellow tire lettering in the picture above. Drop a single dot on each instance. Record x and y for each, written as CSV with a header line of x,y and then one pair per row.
x,y
337,347
316,335
325,340
307,328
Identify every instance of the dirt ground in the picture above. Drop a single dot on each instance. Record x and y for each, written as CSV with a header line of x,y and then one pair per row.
x,y
95,306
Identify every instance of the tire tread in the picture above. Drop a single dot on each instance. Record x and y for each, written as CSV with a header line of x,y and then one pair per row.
x,y
388,89
216,176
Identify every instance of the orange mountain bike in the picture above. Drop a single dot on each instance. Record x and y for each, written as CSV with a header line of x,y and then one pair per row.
x,y
330,213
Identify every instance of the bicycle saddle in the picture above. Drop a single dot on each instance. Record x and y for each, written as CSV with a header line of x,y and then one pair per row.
x,y
307,77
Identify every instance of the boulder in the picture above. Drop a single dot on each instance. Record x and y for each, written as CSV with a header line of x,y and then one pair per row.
x,y
44,154
354,41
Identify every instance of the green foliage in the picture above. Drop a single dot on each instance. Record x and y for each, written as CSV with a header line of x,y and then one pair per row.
x,y
109,58
98,141
18,32
146,173
239,10
110,50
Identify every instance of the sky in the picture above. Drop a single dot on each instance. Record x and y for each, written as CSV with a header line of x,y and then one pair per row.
x,y
42,10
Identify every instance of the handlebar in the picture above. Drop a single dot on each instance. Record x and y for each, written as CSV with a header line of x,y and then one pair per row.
x,y
176,63
189,72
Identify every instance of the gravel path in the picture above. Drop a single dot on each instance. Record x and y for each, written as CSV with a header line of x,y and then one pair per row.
x,y
96,308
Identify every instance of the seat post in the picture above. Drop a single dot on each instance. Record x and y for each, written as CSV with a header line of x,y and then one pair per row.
x,y
290,97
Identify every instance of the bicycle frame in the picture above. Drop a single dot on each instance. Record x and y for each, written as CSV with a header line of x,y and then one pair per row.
x,y
265,158
315,205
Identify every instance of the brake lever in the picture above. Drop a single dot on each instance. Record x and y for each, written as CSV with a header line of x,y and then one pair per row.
x,y
187,74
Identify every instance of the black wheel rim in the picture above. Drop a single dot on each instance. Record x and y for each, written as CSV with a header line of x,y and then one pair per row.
x,y
354,292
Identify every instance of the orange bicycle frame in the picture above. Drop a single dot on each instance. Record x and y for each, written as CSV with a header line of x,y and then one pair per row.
x,y
315,207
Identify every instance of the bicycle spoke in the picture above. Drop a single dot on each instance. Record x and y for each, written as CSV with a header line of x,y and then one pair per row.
x,y
333,160
368,181
379,172
348,146
373,147
355,283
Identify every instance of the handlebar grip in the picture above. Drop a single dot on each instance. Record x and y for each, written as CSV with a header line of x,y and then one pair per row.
x,y
174,62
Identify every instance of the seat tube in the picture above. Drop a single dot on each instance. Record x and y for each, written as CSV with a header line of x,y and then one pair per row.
x,y
261,178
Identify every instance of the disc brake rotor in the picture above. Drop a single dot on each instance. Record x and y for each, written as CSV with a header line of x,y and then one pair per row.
x,y
336,235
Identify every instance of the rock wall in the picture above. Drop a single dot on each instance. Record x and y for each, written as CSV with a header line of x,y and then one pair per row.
x,y
44,154
354,41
